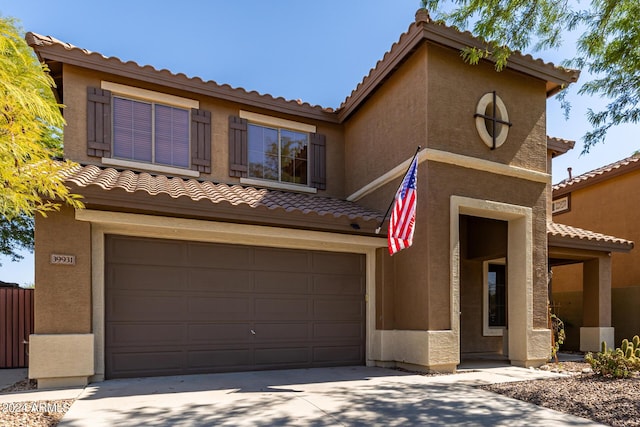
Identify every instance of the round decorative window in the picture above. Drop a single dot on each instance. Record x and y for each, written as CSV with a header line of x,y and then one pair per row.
x,y
492,120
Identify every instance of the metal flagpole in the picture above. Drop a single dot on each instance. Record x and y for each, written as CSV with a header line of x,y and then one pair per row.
x,y
394,195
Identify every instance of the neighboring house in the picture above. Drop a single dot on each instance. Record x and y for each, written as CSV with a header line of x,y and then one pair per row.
x,y
605,199
227,230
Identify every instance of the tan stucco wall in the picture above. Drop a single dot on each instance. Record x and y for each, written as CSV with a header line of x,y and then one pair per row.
x,y
62,292
76,80
430,101
609,207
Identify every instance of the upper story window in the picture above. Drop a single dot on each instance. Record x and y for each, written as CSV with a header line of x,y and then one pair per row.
x,y
150,132
142,129
278,154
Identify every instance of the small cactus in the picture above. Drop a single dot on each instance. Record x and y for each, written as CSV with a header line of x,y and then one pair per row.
x,y
636,341
624,346
619,363
603,347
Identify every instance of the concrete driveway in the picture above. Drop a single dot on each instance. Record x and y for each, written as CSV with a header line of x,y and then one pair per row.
x,y
345,396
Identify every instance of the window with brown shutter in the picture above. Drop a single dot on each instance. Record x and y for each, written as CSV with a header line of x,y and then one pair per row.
x,y
98,122
318,160
201,140
238,155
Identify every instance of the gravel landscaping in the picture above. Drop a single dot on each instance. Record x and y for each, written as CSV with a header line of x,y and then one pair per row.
x,y
581,393
608,401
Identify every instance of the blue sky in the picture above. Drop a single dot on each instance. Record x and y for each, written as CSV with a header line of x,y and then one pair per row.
x,y
314,51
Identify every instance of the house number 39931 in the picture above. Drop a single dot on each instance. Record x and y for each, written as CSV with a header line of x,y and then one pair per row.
x,y
63,259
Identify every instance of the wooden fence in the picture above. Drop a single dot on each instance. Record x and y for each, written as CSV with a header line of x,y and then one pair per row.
x,y
16,324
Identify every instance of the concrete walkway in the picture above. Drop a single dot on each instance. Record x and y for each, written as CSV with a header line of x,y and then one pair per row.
x,y
345,396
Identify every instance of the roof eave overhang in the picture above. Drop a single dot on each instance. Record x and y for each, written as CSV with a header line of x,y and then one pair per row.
x,y
119,200
621,170
590,245
95,61
558,146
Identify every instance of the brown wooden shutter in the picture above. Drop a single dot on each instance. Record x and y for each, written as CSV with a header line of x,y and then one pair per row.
x,y
98,122
318,161
238,154
201,140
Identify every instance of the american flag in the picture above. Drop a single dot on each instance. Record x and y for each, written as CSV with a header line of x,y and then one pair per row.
x,y
403,216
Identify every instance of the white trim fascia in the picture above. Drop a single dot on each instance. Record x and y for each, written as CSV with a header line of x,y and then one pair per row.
x,y
150,95
262,119
451,159
277,185
223,232
150,167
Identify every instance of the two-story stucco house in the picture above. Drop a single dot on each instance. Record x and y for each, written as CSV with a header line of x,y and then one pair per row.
x,y
227,230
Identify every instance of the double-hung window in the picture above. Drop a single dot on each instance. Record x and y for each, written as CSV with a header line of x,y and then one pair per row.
x,y
150,132
278,154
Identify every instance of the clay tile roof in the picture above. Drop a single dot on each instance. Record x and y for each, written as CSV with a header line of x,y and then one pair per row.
x,y
574,237
50,48
597,175
558,145
110,179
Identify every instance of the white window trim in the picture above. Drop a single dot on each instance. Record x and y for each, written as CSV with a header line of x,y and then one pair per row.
x,y
278,185
278,123
261,119
489,331
149,95
138,94
149,167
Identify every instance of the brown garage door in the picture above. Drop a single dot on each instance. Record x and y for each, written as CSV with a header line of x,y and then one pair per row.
x,y
175,307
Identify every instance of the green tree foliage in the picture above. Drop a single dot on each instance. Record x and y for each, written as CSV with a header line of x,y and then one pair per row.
x,y
608,47
31,181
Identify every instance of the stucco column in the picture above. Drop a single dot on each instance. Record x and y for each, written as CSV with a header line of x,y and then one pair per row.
x,y
596,304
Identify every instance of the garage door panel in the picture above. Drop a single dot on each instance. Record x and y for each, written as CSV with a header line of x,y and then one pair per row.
x,y
213,360
136,251
282,309
337,330
219,308
338,285
196,313
338,263
146,277
289,331
209,280
210,256
331,355
269,259
219,332
146,363
282,356
329,309
130,306
282,283
132,334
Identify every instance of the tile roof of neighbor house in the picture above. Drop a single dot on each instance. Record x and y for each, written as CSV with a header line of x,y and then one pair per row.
x,y
574,237
597,175
52,49
263,202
